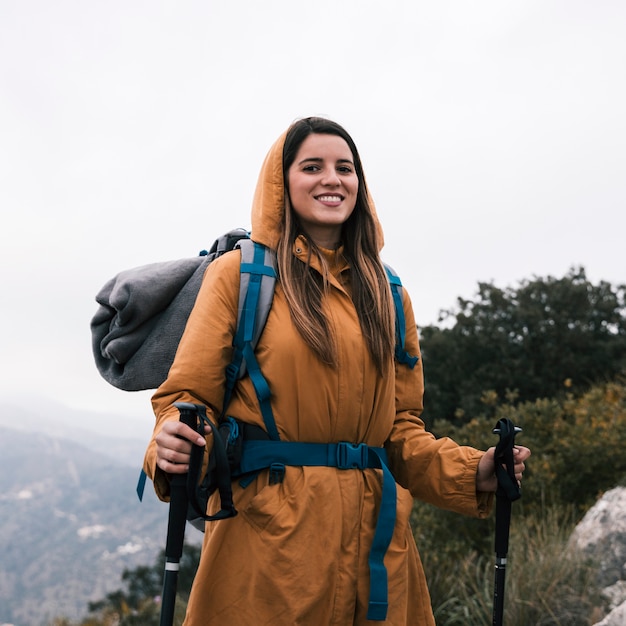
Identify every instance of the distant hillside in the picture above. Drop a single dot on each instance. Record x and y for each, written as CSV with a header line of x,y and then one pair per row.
x,y
117,436
70,523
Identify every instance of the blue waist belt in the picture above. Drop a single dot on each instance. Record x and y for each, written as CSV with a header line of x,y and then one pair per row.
x,y
275,455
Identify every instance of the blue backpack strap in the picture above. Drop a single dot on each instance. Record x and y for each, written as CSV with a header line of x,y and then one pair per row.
x,y
141,484
402,356
256,291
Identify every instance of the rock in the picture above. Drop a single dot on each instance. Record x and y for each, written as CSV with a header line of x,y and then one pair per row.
x,y
617,617
601,535
615,594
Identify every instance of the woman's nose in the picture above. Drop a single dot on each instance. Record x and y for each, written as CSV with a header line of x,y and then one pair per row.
x,y
331,178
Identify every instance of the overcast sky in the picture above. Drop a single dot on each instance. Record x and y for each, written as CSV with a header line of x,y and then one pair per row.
x,y
493,135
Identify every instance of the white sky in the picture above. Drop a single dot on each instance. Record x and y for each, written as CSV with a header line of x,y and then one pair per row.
x,y
493,136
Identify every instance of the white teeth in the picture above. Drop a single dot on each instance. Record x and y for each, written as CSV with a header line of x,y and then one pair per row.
x,y
329,198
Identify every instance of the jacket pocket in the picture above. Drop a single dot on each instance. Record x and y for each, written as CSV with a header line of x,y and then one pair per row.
x,y
275,509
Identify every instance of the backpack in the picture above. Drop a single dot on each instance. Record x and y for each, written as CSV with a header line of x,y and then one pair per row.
x,y
258,278
135,335
123,336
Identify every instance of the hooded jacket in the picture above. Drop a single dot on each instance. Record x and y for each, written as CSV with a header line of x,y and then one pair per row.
x,y
297,553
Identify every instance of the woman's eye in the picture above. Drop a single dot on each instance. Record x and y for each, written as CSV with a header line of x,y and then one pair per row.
x,y
344,169
310,168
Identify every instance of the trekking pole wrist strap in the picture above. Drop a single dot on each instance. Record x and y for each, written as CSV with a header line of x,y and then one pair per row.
x,y
195,468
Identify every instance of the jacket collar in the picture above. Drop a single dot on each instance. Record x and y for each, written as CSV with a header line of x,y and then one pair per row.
x,y
335,259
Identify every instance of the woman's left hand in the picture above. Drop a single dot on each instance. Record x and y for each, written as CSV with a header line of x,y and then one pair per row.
x,y
486,474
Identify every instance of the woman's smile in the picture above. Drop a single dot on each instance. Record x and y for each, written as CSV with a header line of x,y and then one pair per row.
x,y
330,200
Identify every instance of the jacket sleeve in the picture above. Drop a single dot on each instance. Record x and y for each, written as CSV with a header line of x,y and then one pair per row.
x,y
204,351
437,471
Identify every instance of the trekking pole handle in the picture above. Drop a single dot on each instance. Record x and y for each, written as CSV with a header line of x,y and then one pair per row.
x,y
188,413
516,430
503,455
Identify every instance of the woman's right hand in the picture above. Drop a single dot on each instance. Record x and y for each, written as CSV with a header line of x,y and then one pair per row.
x,y
173,446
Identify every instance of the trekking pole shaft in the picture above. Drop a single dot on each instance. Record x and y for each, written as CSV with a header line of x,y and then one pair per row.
x,y
503,515
498,594
173,547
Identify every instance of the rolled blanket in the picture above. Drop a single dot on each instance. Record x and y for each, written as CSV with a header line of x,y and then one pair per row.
x,y
140,320
142,314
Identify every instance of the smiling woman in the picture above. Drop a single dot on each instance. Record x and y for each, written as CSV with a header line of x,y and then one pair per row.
x,y
332,220
323,534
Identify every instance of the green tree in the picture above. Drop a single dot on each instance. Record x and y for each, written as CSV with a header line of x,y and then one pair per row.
x,y
524,343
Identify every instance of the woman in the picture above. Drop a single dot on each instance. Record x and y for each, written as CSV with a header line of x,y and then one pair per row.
x,y
304,550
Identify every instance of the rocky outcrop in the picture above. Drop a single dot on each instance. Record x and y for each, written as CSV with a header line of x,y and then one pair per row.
x,y
617,617
601,534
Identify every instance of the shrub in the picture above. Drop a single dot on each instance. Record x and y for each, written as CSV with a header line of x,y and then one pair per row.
x,y
546,583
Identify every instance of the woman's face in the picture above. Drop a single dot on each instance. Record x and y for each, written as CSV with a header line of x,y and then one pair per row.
x,y
323,187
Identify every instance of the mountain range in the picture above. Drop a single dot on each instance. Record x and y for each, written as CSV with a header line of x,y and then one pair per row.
x,y
70,519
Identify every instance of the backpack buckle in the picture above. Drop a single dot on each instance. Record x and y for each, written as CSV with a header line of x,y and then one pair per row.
x,y
277,473
352,455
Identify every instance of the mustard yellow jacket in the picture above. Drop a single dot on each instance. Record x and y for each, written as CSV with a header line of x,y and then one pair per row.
x,y
297,553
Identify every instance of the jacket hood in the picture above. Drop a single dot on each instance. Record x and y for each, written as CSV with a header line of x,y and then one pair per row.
x,y
268,205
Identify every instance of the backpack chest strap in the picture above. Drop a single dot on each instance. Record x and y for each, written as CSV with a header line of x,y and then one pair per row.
x,y
259,455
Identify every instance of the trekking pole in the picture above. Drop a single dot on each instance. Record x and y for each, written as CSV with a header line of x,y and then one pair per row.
x,y
507,492
175,528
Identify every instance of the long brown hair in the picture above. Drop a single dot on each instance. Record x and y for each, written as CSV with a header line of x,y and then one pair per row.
x,y
304,288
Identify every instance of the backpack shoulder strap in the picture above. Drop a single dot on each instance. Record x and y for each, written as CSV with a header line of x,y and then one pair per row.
x,y
402,356
256,292
256,289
